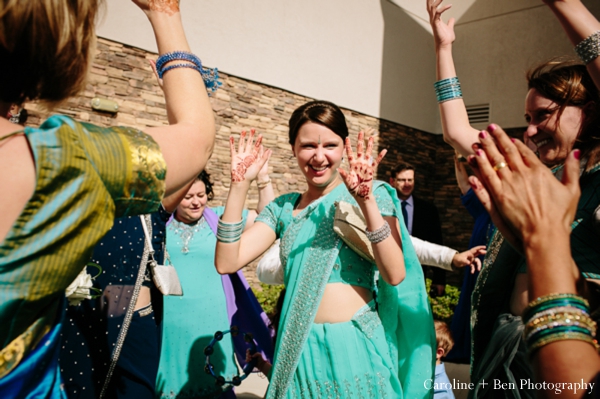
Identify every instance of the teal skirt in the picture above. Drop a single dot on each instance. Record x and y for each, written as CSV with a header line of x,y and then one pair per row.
x,y
346,360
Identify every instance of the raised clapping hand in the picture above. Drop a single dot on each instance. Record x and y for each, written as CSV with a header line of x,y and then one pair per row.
x,y
249,159
442,32
521,194
359,179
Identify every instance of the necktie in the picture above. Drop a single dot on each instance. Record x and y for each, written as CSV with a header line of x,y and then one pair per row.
x,y
404,213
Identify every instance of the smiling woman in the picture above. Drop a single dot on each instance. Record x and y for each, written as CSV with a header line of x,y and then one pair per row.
x,y
562,109
333,334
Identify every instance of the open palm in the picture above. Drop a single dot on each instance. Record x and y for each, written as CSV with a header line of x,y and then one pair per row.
x,y
359,179
249,158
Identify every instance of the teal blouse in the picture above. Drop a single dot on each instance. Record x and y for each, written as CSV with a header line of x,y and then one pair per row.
x,y
349,267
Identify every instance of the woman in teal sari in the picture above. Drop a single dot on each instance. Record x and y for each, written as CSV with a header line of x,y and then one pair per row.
x,y
334,338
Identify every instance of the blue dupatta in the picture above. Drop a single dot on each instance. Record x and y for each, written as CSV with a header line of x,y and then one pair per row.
x,y
309,248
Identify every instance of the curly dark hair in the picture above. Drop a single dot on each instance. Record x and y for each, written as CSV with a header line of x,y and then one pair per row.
x,y
204,177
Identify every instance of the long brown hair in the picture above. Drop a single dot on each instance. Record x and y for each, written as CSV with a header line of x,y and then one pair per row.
x,y
568,83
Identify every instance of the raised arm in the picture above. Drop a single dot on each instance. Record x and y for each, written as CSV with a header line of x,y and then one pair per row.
x,y
383,232
187,143
579,24
462,178
266,194
235,248
540,209
455,121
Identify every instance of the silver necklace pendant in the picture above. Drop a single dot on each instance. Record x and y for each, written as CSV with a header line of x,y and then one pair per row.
x,y
186,232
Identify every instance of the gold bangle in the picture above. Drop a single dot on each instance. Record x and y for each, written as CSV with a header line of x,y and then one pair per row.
x,y
564,336
262,184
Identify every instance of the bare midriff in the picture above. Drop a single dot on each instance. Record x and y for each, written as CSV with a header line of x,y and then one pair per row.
x,y
143,299
340,302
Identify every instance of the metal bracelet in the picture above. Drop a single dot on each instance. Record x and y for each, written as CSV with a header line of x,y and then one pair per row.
x,y
589,48
380,234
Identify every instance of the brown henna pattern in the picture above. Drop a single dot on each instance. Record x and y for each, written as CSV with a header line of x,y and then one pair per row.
x,y
169,7
360,178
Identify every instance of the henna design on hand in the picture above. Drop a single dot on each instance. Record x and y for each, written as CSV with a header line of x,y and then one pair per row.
x,y
359,179
169,7
247,155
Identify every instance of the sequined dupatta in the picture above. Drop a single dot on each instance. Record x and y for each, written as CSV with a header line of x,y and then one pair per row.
x,y
310,247
407,319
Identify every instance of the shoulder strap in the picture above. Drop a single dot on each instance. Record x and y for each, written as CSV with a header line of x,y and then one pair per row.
x,y
147,254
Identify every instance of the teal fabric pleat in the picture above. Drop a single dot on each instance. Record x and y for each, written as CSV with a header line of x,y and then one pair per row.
x,y
309,249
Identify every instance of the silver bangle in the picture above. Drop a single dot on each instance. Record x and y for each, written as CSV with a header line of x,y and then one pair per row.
x,y
380,234
589,48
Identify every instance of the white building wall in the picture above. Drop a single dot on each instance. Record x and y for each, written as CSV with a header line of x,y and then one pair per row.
x,y
370,56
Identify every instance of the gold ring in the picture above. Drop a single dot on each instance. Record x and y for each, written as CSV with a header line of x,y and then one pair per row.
x,y
499,166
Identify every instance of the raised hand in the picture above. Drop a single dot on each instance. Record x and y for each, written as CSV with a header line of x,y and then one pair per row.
x,y
359,179
167,6
249,158
443,33
523,196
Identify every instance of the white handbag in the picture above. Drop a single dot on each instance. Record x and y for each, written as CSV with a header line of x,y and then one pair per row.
x,y
164,276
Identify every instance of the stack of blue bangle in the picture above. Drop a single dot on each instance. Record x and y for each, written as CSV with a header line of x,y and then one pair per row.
x,y
447,89
229,232
209,76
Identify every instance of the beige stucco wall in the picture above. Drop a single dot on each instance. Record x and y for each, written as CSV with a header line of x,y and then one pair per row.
x,y
374,57
497,42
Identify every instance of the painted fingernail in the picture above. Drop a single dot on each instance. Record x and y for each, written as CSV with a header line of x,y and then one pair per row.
x,y
577,154
513,140
479,153
482,135
491,128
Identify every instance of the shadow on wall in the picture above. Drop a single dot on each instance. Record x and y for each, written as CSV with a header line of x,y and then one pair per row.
x,y
408,71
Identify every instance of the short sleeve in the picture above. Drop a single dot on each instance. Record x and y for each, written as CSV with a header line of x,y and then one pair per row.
x,y
129,163
385,202
269,215
278,213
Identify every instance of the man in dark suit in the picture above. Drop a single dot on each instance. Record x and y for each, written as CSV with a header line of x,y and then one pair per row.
x,y
421,217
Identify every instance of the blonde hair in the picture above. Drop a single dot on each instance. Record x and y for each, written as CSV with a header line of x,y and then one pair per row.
x,y
45,48
443,336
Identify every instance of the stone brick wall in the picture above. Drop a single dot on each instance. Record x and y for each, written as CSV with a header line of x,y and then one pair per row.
x,y
122,74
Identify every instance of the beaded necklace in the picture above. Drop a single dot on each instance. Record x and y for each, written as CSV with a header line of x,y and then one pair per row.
x,y
186,231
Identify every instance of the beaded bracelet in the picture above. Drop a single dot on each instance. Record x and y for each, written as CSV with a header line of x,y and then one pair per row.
x,y
589,48
447,89
229,232
552,301
567,320
209,76
380,234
